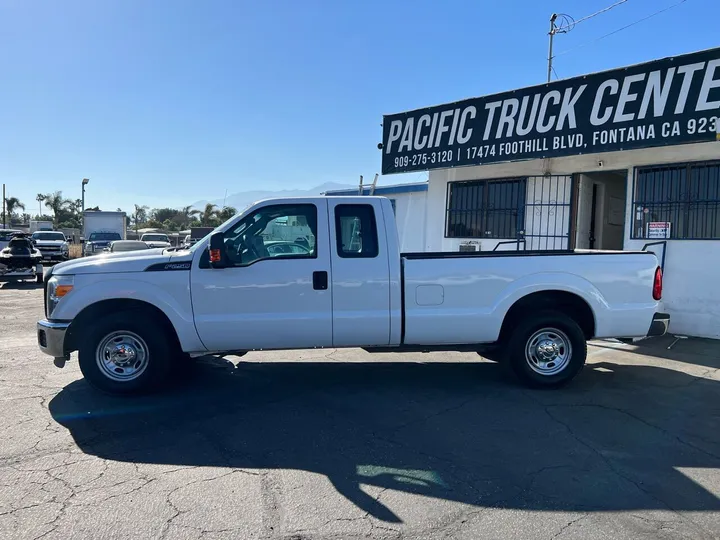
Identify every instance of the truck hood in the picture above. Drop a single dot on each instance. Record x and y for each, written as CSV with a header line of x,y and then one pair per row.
x,y
127,261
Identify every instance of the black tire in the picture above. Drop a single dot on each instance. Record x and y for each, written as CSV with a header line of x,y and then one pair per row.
x,y
143,334
529,362
39,278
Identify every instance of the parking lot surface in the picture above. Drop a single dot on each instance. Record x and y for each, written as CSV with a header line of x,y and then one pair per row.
x,y
342,444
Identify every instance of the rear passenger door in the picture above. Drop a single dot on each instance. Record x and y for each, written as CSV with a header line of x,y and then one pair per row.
x,y
360,274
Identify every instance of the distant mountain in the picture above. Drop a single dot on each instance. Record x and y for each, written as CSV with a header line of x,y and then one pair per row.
x,y
244,198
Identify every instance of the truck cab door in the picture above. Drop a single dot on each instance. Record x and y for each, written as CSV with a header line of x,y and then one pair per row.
x,y
360,273
275,291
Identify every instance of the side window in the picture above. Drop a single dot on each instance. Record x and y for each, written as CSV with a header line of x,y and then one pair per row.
x,y
356,231
284,231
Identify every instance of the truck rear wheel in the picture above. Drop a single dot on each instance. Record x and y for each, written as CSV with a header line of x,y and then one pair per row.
x,y
125,353
547,350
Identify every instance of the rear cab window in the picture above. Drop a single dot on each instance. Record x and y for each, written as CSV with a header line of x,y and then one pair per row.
x,y
356,231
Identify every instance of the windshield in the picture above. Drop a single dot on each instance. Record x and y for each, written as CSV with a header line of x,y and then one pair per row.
x,y
155,238
48,236
104,236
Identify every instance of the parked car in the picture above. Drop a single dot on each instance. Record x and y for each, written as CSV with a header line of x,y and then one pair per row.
x,y
156,240
126,245
52,244
132,315
21,260
6,235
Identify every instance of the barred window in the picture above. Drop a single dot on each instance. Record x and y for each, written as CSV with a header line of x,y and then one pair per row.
x,y
685,196
486,208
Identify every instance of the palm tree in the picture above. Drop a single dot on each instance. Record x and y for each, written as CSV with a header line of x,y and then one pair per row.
x,y
208,215
56,203
226,213
40,198
140,215
185,215
11,204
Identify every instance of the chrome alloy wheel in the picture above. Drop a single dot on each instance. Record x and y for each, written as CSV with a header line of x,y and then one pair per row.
x,y
122,356
548,351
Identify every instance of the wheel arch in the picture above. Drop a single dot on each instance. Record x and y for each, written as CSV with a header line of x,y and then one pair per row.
x,y
95,311
571,304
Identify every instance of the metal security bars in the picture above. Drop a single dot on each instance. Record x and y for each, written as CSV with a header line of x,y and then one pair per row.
x,y
548,212
485,208
682,201
533,211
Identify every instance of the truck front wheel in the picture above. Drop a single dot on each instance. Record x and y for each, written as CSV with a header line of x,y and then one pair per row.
x,y
125,353
548,349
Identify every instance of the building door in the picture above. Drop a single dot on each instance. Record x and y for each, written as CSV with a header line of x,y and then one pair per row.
x,y
601,210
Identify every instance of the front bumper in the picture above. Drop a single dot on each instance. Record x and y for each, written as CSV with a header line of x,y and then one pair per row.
x,y
51,337
55,255
659,325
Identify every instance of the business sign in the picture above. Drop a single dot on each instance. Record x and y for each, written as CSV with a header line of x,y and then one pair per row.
x,y
670,101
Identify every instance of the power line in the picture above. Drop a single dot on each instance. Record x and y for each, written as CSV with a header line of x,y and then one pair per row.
x,y
623,28
616,4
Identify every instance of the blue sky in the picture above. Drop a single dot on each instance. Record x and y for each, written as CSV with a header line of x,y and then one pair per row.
x,y
165,102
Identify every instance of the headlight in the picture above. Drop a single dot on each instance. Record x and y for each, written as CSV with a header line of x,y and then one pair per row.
x,y
65,247
58,287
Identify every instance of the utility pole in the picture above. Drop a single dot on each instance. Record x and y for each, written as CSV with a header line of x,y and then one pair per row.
x,y
552,32
82,211
3,208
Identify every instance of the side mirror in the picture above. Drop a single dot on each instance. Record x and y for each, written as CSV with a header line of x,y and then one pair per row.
x,y
217,250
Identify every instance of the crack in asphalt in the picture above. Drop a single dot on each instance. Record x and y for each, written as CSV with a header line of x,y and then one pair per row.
x,y
567,526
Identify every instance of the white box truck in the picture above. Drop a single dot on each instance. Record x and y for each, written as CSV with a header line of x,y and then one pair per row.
x,y
101,228
37,225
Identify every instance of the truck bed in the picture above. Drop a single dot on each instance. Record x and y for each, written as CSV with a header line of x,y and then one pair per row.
x,y
462,298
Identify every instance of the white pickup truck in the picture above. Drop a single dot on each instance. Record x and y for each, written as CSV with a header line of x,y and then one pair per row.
x,y
135,316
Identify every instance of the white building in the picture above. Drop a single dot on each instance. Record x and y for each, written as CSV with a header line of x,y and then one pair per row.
x,y
410,204
661,193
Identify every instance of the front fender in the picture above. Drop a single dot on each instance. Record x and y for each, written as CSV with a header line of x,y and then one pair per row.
x,y
171,296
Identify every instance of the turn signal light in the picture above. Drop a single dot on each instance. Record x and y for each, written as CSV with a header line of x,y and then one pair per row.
x,y
215,255
657,284
62,290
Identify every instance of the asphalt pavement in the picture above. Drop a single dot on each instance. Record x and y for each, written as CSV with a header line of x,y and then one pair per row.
x,y
301,445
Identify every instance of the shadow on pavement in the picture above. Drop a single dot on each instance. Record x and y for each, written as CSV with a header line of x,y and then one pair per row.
x,y
614,440
698,351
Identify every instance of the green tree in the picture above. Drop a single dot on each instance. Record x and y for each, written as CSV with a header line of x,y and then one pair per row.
x,y
209,216
40,198
170,225
139,216
226,213
185,216
57,204
11,205
163,214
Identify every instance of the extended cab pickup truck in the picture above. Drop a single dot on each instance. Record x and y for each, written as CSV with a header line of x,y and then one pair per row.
x,y
134,316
